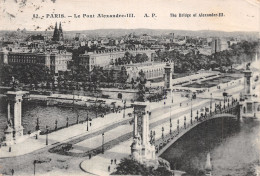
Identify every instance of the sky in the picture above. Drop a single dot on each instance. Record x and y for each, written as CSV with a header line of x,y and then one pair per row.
x,y
239,15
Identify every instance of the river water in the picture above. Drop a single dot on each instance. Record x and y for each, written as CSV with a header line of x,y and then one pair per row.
x,y
47,115
234,148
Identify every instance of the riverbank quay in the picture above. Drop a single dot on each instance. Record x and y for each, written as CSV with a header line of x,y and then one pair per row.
x,y
69,100
66,134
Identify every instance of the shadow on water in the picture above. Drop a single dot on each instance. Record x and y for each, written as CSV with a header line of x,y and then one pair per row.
x,y
233,146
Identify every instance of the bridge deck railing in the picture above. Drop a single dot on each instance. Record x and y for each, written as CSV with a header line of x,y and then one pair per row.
x,y
175,134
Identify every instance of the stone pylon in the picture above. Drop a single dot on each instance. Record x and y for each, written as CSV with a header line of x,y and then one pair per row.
x,y
14,129
141,149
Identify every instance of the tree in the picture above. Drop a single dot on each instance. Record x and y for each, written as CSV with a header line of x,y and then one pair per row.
x,y
27,74
6,74
60,79
96,76
111,77
128,57
132,82
119,61
129,166
123,75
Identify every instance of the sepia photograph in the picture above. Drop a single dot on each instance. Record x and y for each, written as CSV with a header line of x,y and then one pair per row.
x,y
133,87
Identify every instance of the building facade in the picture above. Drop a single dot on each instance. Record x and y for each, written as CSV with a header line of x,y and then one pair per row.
x,y
104,58
218,45
152,70
55,61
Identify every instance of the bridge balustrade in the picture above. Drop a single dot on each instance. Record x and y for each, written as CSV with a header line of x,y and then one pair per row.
x,y
160,143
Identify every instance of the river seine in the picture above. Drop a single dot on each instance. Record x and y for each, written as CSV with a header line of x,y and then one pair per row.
x,y
234,148
47,115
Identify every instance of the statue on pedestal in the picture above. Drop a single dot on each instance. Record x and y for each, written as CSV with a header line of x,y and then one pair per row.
x,y
248,66
15,84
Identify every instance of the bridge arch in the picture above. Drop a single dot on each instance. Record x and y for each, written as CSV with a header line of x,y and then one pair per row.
x,y
161,145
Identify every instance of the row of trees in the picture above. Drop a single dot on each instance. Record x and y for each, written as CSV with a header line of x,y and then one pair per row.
x,y
78,77
26,74
94,78
194,61
129,58
40,75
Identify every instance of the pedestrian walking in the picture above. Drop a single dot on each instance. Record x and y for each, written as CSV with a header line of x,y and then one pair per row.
x,y
89,155
12,171
111,161
108,168
115,161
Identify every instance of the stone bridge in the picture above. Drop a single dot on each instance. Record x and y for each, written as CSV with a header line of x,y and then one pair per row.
x,y
230,111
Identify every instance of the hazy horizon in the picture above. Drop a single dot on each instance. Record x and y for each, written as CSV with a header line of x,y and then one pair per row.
x,y
64,30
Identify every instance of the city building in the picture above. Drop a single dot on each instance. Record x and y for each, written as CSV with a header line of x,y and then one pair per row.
x,y
104,58
56,60
151,70
218,45
59,61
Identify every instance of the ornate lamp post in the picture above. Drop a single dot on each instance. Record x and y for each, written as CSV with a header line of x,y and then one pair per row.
x,y
170,114
96,110
185,122
34,167
210,103
103,136
191,110
67,123
164,93
47,131
37,125
153,136
124,109
178,128
170,126
77,117
96,104
172,96
56,124
87,119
